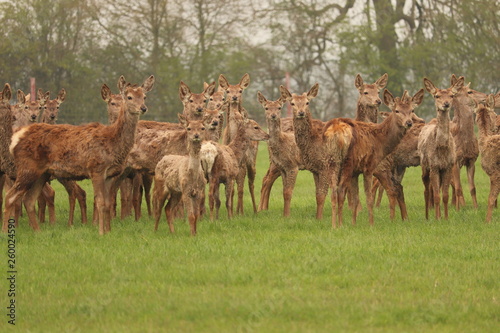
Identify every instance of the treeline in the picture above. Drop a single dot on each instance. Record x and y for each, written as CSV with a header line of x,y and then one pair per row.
x,y
79,45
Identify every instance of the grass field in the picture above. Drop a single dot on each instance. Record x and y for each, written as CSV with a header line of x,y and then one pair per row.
x,y
264,273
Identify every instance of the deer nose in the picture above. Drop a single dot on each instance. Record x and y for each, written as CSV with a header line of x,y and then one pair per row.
x,y
52,116
273,116
302,113
378,101
215,123
199,109
409,123
144,109
196,136
235,98
33,116
447,104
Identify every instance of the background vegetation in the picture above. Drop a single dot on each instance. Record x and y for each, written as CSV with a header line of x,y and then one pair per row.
x,y
81,44
265,273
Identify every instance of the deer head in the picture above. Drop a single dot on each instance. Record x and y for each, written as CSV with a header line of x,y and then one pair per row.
x,y
485,114
215,117
217,98
369,93
113,101
6,94
195,103
135,96
272,108
443,98
27,110
51,106
253,130
234,92
299,103
402,109
195,128
466,95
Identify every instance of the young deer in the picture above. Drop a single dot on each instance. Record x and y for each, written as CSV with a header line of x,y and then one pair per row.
x,y
194,104
489,146
181,178
284,155
217,98
26,112
51,106
92,151
323,151
369,99
372,143
462,129
234,94
226,165
436,148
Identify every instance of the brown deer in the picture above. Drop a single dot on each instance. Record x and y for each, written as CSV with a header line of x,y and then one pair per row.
x,y
369,99
234,95
489,146
322,151
26,112
462,129
436,148
372,143
194,104
217,98
284,155
92,151
226,167
181,178
51,106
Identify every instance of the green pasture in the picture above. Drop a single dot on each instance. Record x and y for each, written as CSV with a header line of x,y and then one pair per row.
x,y
263,273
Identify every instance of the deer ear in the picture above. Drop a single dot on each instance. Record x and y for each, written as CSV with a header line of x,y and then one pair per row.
x,y
358,82
209,90
184,91
21,98
382,81
223,82
245,81
105,92
388,99
313,92
285,94
417,99
453,79
62,96
458,85
6,92
429,86
490,101
121,83
148,84
261,98
182,119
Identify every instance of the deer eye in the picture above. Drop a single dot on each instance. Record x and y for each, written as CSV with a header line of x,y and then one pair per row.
x,y
256,127
436,96
307,103
227,91
26,107
129,98
293,104
39,108
470,92
113,104
267,108
190,101
203,128
241,91
57,107
397,111
366,92
204,101
188,129
211,99
223,98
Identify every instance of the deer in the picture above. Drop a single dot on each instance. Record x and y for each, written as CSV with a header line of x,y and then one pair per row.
x,y
323,151
92,151
462,129
226,167
372,143
8,168
489,146
51,106
284,155
234,94
217,98
26,111
194,104
181,178
437,149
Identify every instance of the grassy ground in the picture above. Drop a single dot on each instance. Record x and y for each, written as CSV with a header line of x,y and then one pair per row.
x,y
264,273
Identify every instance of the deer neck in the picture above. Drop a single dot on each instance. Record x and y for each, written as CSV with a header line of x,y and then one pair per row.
x,y
443,128
234,117
484,125
464,118
366,113
390,133
274,127
194,148
240,143
123,131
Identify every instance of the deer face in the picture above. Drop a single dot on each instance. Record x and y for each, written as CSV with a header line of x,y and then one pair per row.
x,y
51,106
369,93
216,100
135,96
234,92
485,112
195,130
114,103
194,104
443,98
254,131
299,103
32,110
272,108
403,108
26,111
214,119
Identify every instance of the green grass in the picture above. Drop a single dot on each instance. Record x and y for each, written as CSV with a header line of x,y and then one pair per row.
x,y
264,273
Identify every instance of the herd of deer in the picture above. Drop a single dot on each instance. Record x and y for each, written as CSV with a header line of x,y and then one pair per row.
x,y
182,158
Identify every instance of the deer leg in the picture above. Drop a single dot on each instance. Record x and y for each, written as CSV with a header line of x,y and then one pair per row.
x,y
447,176
126,188
368,183
49,194
174,200
147,181
81,196
30,197
289,179
251,172
229,197
492,197
159,198
42,204
137,195
211,201
321,184
2,184
471,170
240,187
267,183
436,186
426,181
458,197
99,186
